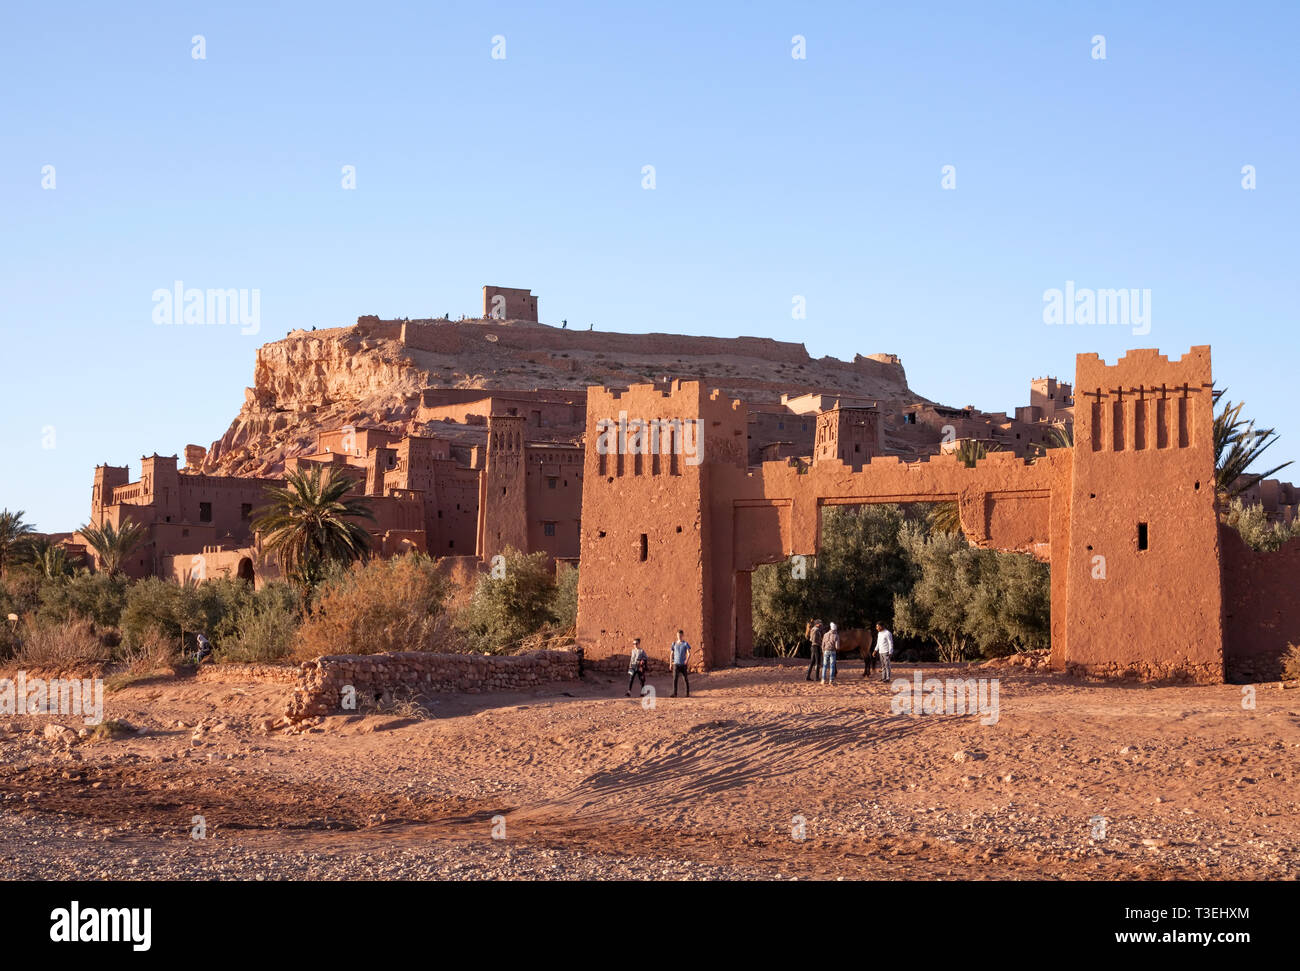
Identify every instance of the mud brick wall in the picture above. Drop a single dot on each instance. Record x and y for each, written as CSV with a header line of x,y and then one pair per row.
x,y
381,677
1261,612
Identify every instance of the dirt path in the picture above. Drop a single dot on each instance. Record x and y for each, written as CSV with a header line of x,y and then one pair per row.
x,y
1074,781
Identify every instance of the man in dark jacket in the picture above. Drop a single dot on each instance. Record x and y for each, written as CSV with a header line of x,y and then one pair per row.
x,y
815,637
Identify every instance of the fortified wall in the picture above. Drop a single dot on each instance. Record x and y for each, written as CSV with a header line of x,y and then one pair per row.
x,y
1126,518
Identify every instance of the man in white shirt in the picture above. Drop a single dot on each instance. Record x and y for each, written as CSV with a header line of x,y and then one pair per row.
x,y
680,654
884,647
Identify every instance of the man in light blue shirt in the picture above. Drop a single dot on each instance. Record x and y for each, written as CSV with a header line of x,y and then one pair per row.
x,y
680,653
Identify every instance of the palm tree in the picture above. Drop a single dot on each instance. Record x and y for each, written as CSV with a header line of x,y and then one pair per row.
x,y
1060,435
945,517
50,560
113,545
1237,446
310,522
969,451
14,535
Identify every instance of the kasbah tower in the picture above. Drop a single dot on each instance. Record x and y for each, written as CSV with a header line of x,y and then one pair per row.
x,y
647,564
1143,562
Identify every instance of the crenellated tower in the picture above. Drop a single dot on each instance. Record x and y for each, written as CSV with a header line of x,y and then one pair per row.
x,y
648,566
503,502
1143,570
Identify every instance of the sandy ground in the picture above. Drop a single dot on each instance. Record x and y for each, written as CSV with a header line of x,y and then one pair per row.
x,y
591,784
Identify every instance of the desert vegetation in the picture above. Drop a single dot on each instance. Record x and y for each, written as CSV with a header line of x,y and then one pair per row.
x,y
336,600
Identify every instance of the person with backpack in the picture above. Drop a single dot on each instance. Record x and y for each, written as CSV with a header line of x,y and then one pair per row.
x,y
679,654
815,638
830,648
884,647
636,666
205,649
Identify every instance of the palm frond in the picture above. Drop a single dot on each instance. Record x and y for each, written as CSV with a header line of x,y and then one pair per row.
x,y
15,534
311,521
1237,446
113,545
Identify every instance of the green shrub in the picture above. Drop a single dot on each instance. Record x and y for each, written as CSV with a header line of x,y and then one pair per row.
x,y
511,602
98,597
852,581
564,601
375,607
262,630
1258,533
1291,662
20,592
181,610
154,653
963,599
1011,611
945,574
19,598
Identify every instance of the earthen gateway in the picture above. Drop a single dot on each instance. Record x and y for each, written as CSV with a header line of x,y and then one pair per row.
x,y
1127,519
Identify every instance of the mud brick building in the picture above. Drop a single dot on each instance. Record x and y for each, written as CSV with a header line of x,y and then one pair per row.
x,y
427,494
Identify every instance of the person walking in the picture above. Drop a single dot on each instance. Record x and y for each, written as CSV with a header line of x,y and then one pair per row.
x,y
815,636
830,649
680,654
636,666
884,647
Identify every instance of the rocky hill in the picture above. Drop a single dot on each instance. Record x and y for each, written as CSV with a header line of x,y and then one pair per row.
x,y
372,374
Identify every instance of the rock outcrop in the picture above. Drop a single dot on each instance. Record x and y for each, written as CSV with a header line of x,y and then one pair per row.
x,y
372,375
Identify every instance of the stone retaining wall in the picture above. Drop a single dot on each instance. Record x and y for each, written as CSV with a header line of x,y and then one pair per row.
x,y
381,677
618,664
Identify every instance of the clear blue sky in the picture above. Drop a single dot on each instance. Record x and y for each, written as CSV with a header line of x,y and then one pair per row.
x,y
775,177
